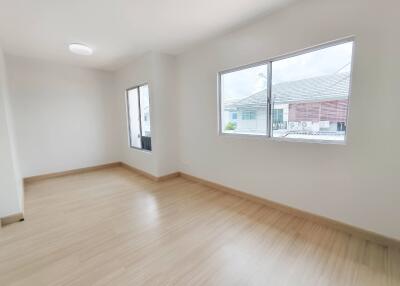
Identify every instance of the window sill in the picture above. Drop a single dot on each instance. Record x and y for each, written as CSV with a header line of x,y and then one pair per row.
x,y
139,149
280,139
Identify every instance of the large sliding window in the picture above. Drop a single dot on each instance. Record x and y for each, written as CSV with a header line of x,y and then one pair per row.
x,y
303,96
138,101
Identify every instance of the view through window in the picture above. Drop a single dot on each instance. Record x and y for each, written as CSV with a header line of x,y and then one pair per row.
x,y
239,115
308,97
139,117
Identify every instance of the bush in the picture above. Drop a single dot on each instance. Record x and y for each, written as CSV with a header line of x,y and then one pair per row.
x,y
230,126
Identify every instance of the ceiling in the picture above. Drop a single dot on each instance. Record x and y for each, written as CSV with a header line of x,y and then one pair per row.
x,y
118,30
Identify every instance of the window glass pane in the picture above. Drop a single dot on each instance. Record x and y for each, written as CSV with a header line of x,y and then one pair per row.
x,y
310,94
145,117
244,101
145,110
134,124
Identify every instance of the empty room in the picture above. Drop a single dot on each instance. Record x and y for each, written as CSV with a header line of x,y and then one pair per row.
x,y
188,142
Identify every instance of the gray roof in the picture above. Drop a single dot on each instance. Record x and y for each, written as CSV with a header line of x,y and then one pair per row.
x,y
323,88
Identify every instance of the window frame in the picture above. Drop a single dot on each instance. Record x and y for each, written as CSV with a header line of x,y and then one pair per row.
x,y
140,116
269,62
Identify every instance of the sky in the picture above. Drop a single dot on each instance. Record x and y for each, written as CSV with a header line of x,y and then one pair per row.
x,y
327,61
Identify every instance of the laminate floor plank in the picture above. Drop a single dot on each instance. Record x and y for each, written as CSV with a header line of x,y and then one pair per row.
x,y
115,227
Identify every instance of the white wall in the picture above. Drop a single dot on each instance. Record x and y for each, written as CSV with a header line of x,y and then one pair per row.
x,y
159,71
357,183
68,117
11,189
65,117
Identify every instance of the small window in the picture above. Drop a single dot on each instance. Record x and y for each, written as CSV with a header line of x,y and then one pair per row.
x,y
277,119
277,115
138,102
249,115
303,96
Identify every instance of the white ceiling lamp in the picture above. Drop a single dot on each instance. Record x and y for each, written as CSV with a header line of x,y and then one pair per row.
x,y
80,49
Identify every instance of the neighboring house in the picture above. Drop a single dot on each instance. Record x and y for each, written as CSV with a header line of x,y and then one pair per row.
x,y
310,106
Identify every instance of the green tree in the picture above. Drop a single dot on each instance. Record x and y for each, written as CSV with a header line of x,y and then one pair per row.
x,y
230,126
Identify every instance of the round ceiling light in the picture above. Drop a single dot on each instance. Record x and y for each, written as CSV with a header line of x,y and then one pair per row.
x,y
80,49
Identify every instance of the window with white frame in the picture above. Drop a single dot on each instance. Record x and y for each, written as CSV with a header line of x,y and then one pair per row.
x,y
138,107
303,96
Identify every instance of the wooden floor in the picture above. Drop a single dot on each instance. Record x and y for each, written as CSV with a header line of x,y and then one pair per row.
x,y
113,227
